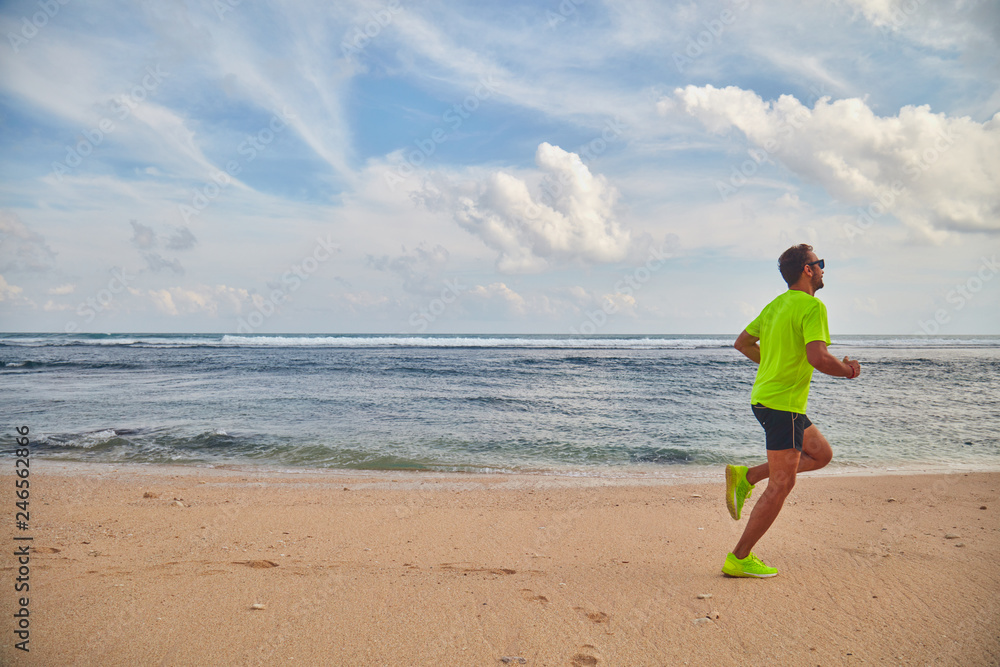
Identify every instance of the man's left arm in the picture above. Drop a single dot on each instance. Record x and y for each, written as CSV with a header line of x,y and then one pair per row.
x,y
747,344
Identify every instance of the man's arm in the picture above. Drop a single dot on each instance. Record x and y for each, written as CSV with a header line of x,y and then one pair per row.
x,y
747,344
821,359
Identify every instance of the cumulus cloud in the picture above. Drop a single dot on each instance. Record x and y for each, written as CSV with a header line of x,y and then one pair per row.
x,y
143,237
570,221
933,172
8,291
419,269
181,239
156,263
20,248
212,300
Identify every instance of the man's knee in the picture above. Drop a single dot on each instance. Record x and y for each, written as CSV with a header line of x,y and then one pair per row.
x,y
817,447
824,457
781,483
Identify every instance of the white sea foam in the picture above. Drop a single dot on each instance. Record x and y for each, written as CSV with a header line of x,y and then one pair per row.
x,y
475,341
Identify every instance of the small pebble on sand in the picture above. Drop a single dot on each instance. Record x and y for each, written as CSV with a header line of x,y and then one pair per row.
x,y
256,606
704,596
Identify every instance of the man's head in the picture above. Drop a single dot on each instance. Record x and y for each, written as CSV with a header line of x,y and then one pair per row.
x,y
800,262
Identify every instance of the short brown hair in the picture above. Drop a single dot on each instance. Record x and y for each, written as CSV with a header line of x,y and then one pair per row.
x,y
793,261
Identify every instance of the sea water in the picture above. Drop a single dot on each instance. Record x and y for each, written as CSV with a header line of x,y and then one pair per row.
x,y
599,405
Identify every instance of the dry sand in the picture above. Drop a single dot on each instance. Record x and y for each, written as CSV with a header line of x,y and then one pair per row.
x,y
406,569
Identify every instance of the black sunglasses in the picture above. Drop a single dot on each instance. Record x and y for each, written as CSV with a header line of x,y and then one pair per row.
x,y
821,262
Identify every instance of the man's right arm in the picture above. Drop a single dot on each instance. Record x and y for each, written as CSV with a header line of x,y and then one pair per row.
x,y
821,359
747,344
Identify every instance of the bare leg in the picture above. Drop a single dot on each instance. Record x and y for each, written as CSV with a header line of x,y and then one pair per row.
x,y
781,469
816,453
782,466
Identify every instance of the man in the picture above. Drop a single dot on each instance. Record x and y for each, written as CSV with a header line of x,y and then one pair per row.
x,y
793,335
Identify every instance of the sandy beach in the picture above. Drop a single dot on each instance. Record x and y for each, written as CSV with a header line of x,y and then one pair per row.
x,y
158,565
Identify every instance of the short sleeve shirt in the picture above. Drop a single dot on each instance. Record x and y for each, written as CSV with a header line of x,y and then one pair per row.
x,y
784,328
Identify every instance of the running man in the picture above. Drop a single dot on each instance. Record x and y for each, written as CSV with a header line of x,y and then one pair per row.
x,y
793,334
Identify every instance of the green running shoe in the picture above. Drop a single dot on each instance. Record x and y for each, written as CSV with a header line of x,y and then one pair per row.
x,y
737,489
751,566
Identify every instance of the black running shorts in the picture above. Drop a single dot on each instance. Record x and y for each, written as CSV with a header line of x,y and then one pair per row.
x,y
783,430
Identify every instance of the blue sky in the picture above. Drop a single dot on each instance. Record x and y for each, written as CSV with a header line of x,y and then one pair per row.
x,y
536,167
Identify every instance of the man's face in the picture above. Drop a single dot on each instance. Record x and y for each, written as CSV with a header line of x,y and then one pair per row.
x,y
817,273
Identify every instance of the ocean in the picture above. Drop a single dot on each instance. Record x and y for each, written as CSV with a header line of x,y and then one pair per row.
x,y
599,405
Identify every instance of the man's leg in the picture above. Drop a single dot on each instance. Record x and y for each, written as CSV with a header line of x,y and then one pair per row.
x,y
816,453
782,466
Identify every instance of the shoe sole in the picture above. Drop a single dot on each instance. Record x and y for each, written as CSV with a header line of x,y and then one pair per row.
x,y
731,483
747,574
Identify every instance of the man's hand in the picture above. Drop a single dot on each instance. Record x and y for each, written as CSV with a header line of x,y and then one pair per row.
x,y
823,361
854,366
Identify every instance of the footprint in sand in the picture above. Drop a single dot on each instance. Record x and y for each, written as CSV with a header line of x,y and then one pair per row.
x,y
530,596
256,564
466,568
593,616
586,657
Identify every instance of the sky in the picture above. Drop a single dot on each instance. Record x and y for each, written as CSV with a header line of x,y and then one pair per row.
x,y
572,166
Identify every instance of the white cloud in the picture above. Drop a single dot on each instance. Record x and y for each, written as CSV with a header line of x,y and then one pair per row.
x,y
499,294
419,269
8,291
62,290
20,248
571,222
868,305
941,24
210,300
53,307
934,172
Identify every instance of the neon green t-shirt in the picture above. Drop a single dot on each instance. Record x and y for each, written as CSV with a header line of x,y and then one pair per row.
x,y
784,328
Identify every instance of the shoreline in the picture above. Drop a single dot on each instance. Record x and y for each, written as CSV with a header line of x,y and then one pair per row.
x,y
142,565
585,476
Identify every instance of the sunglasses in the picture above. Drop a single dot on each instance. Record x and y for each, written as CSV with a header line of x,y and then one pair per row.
x,y
821,262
